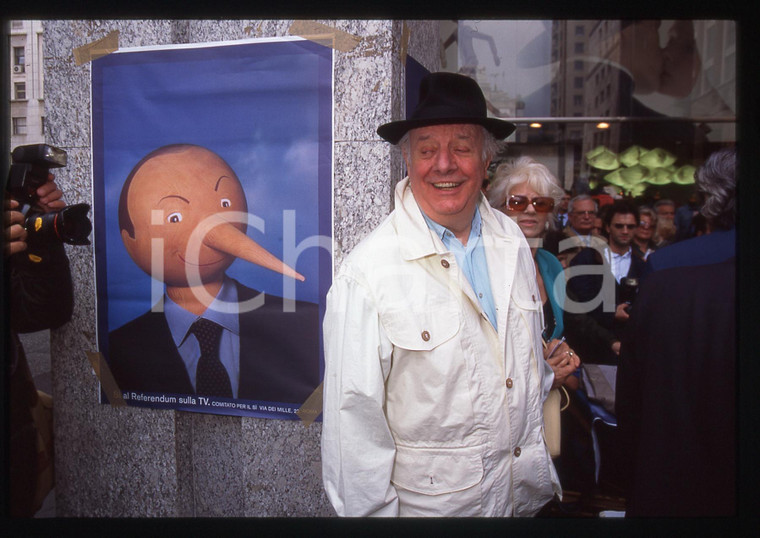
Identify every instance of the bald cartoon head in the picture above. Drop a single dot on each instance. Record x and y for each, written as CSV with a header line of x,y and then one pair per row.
x,y
186,201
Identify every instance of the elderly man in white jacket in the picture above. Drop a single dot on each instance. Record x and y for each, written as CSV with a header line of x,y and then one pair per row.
x,y
435,376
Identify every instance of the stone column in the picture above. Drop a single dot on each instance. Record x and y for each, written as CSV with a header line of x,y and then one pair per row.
x,y
128,462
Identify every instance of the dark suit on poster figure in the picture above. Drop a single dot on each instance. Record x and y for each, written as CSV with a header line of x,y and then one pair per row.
x,y
278,353
187,199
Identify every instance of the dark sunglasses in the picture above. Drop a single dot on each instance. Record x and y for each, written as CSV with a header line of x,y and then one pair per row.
x,y
620,226
646,225
518,202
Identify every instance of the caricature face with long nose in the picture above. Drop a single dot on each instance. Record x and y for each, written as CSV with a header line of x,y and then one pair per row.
x,y
171,197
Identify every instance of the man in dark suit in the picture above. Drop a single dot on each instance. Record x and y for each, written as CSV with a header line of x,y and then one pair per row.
x,y
182,215
675,400
606,281
278,355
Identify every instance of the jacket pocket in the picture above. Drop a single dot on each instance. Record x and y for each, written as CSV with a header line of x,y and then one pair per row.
x,y
435,471
420,331
524,303
528,311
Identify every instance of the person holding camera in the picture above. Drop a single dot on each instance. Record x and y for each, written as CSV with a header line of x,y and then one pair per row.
x,y
620,267
40,297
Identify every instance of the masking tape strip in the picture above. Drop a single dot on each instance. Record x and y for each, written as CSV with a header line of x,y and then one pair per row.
x,y
96,49
311,408
103,372
405,34
324,35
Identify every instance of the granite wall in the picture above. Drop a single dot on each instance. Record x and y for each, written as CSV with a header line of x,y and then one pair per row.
x,y
122,461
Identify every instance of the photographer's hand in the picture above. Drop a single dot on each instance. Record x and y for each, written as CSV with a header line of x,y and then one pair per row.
x,y
50,196
621,312
15,234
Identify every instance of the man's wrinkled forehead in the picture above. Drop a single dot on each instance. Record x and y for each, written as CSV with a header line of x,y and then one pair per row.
x,y
585,205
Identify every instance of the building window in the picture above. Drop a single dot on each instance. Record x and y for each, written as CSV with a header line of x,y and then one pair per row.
x,y
578,82
19,126
42,125
18,56
19,91
578,100
579,30
579,48
578,64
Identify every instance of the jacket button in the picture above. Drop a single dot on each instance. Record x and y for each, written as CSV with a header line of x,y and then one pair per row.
x,y
445,263
517,452
509,382
425,336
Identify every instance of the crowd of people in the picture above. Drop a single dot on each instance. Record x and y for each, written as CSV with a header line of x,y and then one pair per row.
x,y
590,276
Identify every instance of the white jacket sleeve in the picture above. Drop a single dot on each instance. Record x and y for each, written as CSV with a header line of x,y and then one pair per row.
x,y
358,450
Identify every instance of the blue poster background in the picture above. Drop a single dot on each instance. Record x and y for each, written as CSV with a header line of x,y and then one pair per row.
x,y
263,106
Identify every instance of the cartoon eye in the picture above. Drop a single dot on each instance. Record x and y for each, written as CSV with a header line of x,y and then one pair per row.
x,y
226,202
174,218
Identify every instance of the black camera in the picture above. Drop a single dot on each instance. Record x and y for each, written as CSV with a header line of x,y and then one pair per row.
x,y
29,171
628,291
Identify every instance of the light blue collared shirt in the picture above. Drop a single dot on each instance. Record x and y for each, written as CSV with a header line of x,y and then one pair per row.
x,y
472,260
180,320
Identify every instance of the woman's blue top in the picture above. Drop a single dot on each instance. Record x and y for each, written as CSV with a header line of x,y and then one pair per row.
x,y
554,282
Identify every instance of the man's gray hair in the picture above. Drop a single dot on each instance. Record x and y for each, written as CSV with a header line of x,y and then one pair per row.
x,y
660,203
716,179
491,146
580,198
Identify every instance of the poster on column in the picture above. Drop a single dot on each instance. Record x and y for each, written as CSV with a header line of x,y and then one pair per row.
x,y
212,174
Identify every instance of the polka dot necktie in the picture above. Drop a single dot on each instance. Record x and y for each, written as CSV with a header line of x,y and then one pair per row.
x,y
211,377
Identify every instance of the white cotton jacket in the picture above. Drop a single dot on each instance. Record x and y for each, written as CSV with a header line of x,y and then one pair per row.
x,y
427,409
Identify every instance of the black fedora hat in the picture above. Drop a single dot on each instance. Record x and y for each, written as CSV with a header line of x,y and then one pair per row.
x,y
447,98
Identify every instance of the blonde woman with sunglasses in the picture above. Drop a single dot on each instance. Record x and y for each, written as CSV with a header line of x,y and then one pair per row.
x,y
528,192
643,243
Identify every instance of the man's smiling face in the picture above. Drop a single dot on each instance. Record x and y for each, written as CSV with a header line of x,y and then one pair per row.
x,y
169,196
446,170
